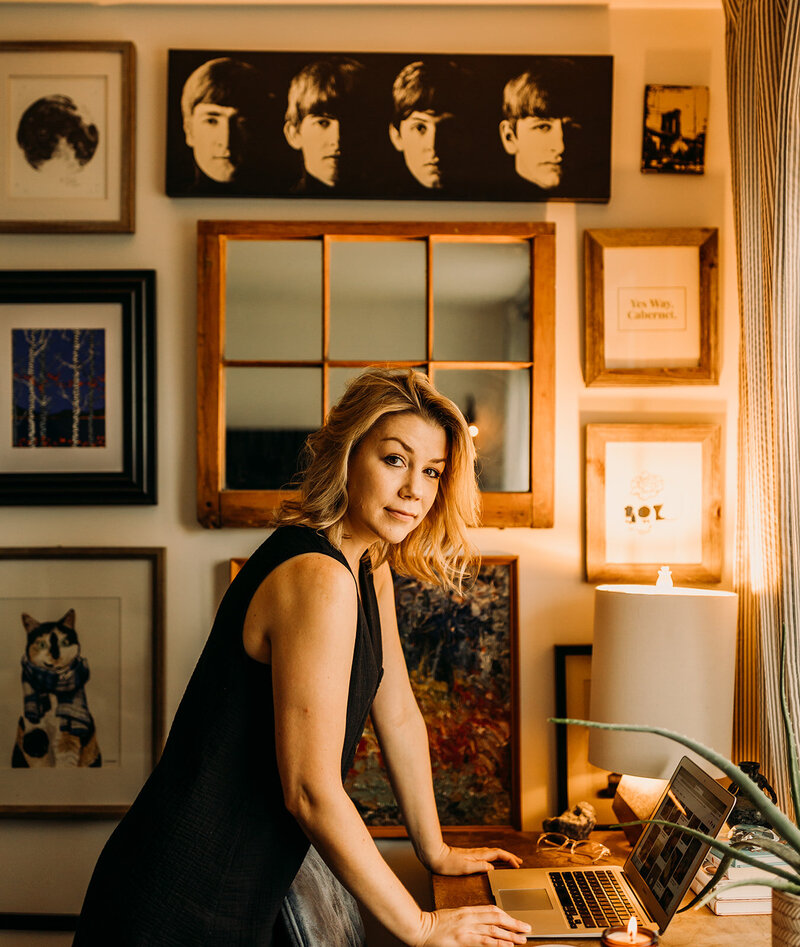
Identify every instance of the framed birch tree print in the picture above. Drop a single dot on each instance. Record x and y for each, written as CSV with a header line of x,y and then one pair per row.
x,y
78,419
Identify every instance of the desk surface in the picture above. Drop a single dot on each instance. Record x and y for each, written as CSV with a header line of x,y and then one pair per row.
x,y
695,928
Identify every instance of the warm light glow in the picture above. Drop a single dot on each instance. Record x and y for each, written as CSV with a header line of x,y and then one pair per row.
x,y
633,928
473,430
758,539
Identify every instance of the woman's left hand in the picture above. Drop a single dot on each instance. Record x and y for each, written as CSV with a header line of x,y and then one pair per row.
x,y
470,861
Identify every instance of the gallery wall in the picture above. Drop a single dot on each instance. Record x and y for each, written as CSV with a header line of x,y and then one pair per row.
x,y
46,863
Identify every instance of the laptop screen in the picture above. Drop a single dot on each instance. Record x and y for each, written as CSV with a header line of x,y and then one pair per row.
x,y
665,859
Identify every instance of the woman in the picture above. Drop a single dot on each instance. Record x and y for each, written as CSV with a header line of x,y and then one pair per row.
x,y
304,645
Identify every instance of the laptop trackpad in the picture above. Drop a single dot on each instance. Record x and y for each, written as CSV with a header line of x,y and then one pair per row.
x,y
525,899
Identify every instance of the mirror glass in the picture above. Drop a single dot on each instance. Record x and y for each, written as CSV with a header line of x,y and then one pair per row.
x,y
481,301
377,300
497,404
273,297
269,412
337,381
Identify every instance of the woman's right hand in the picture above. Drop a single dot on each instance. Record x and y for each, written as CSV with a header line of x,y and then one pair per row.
x,y
483,926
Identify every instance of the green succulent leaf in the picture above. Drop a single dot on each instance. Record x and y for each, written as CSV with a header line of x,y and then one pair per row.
x,y
779,821
776,848
711,884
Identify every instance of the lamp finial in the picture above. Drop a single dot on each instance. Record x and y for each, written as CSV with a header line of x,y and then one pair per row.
x,y
664,580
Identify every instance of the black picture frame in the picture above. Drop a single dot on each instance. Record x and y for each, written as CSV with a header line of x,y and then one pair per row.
x,y
576,779
484,161
126,300
56,923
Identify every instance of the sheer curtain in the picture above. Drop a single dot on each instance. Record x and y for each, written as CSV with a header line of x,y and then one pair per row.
x,y
763,64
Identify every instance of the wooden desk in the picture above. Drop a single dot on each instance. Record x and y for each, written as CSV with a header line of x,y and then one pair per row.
x,y
695,928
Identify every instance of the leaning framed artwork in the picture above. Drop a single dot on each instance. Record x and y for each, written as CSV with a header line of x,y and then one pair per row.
x,y
577,780
653,498
67,137
413,126
651,306
81,692
78,418
461,652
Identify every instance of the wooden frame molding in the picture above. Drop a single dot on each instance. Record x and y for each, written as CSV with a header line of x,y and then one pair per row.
x,y
221,507
598,371
659,505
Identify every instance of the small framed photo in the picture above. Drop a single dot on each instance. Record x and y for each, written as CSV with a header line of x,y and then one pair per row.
x,y
653,498
81,694
674,132
577,780
67,137
461,653
77,424
651,306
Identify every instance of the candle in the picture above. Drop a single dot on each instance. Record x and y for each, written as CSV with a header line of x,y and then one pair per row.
x,y
621,936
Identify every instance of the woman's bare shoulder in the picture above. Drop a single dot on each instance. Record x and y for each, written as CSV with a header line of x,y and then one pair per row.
x,y
307,591
311,577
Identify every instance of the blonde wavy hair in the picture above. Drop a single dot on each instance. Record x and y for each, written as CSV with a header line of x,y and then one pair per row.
x,y
439,549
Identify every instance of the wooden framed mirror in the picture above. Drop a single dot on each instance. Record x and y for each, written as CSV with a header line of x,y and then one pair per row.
x,y
288,312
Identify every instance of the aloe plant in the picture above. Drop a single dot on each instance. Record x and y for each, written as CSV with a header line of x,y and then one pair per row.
x,y
786,878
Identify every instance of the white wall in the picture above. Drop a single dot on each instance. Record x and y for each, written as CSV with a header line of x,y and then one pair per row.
x,y
45,865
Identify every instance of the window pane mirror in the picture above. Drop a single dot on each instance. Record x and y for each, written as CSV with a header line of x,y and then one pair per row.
x,y
289,312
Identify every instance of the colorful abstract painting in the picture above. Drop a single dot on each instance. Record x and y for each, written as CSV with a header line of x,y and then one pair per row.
x,y
461,656
59,395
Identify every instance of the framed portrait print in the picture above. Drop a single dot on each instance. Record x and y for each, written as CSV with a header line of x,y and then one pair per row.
x,y
461,653
577,780
77,424
81,695
653,498
67,137
651,306
349,125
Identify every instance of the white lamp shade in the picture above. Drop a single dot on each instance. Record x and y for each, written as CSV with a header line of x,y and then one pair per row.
x,y
663,658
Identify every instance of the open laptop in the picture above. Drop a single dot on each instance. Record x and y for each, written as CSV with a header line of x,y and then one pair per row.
x,y
583,900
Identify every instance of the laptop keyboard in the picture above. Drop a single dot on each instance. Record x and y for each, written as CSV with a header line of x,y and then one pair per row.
x,y
593,898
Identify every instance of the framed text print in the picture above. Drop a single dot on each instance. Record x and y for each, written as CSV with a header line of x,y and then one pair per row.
x,y
67,137
653,498
651,306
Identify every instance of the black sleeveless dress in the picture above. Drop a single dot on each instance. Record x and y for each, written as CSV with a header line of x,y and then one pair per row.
x,y
207,852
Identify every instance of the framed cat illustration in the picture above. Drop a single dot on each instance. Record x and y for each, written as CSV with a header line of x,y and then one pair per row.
x,y
56,727
81,638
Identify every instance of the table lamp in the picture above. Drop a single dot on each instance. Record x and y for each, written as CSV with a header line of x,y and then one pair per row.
x,y
662,656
